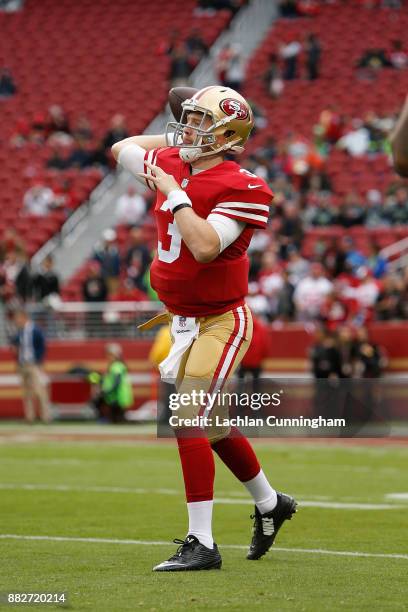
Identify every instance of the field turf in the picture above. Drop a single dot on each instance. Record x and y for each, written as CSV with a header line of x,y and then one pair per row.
x,y
116,503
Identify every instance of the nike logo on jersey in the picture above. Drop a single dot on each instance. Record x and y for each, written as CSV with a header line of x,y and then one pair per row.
x,y
253,186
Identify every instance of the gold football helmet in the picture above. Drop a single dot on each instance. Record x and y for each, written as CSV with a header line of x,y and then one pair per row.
x,y
230,116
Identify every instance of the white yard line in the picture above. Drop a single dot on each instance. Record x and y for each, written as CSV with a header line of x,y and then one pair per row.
x,y
397,496
331,505
310,551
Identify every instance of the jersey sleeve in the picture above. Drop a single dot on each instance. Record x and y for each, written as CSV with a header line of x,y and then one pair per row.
x,y
166,158
249,205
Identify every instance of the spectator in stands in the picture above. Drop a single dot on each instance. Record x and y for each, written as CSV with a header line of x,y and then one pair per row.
x,y
326,367
180,65
94,287
269,148
7,86
374,215
288,8
356,141
354,258
130,207
222,61
331,124
333,310
99,157
82,128
16,275
365,294
137,259
375,261
397,208
46,281
109,259
118,131
398,57
351,212
235,69
388,304
39,129
257,302
273,77
321,212
209,7
58,120
23,278
12,240
325,356
261,241
313,55
291,229
297,266
271,282
30,346
196,46
374,59
311,292
345,345
370,359
81,156
57,161
286,306
289,52
38,200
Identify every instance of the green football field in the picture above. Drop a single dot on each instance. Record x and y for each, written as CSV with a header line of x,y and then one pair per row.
x,y
90,517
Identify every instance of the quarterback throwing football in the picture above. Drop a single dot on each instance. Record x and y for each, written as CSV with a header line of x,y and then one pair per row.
x,y
206,211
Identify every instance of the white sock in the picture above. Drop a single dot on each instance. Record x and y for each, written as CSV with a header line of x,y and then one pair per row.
x,y
199,521
263,494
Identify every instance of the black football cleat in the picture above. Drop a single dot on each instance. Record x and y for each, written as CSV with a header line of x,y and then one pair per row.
x,y
191,556
266,526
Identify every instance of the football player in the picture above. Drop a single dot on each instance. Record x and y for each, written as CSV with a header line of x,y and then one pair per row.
x,y
399,142
206,211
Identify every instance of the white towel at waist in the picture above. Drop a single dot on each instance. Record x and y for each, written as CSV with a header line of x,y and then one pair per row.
x,y
184,330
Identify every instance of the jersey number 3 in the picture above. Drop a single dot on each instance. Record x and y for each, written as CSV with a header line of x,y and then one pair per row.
x,y
173,252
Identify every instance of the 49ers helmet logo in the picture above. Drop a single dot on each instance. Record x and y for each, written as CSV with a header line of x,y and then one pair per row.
x,y
230,106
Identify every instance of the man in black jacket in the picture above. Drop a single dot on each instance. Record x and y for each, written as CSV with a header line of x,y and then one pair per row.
x,y
46,282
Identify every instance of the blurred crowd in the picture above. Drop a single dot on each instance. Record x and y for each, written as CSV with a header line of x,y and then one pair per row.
x,y
346,353
66,151
18,281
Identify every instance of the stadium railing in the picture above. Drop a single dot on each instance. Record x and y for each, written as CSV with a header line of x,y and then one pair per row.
x,y
82,320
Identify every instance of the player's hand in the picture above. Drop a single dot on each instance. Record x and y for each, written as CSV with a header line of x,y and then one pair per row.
x,y
164,182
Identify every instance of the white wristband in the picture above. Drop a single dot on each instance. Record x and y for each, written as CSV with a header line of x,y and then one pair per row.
x,y
176,197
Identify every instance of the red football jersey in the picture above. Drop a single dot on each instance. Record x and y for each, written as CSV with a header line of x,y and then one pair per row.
x,y
185,286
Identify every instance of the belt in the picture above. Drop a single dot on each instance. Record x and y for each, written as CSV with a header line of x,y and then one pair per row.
x,y
162,318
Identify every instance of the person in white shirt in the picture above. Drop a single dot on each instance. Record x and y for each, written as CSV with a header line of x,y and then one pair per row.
x,y
130,207
38,200
311,292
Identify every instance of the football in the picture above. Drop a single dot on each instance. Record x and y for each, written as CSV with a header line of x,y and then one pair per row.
x,y
177,95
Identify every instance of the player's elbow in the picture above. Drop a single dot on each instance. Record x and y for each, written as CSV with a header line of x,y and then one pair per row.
x,y
205,253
